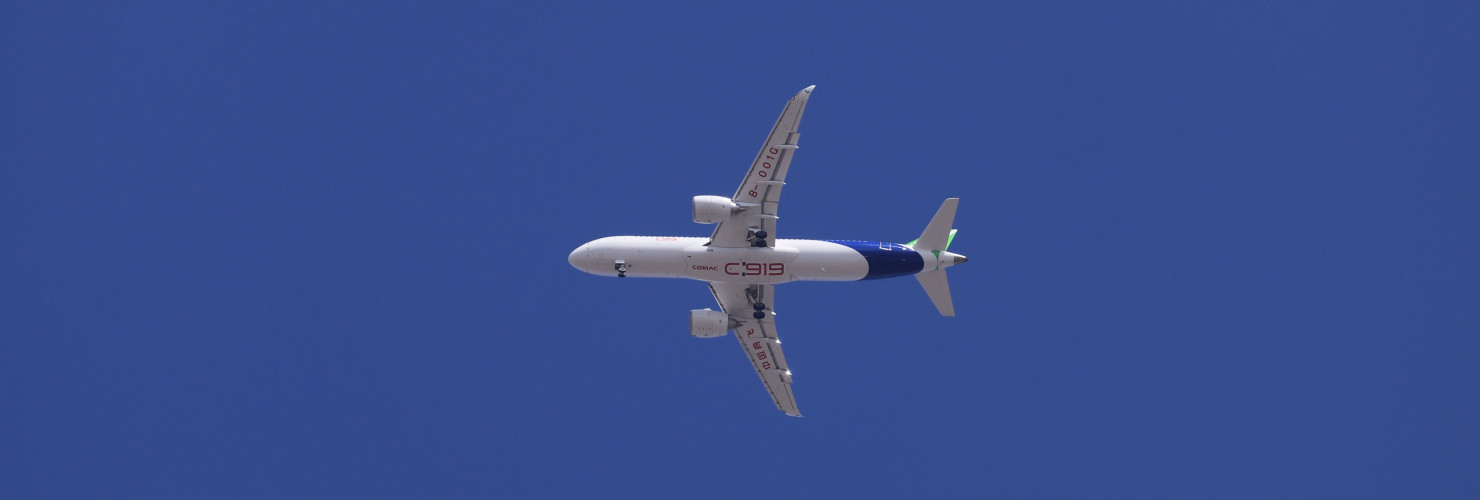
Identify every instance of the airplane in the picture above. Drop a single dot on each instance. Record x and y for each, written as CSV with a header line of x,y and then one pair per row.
x,y
743,261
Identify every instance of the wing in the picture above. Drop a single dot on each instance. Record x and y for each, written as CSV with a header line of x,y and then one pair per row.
x,y
761,189
758,338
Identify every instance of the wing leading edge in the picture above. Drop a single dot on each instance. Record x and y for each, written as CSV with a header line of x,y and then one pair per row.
x,y
760,191
758,338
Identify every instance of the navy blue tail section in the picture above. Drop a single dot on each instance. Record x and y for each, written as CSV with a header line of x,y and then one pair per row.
x,y
886,260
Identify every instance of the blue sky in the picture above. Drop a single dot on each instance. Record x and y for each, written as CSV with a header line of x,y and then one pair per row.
x,y
263,249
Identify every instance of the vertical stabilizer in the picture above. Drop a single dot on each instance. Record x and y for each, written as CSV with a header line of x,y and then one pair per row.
x,y
938,289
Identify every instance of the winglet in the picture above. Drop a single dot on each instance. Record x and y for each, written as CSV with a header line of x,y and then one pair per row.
x,y
804,94
937,235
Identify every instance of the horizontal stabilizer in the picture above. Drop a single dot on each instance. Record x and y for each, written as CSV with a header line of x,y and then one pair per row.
x,y
938,289
937,235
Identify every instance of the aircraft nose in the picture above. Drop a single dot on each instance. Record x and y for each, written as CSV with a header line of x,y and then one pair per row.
x,y
580,258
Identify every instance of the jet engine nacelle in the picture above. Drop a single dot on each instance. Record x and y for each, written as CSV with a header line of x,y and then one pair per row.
x,y
705,324
713,209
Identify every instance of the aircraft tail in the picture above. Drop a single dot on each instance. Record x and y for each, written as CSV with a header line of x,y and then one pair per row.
x,y
936,239
938,234
938,289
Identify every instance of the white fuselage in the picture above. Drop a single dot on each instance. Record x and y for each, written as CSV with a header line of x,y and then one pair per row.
x,y
788,260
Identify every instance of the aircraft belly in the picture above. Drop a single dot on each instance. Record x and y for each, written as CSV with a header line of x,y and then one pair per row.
x,y
789,260
885,260
645,256
826,261
748,265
